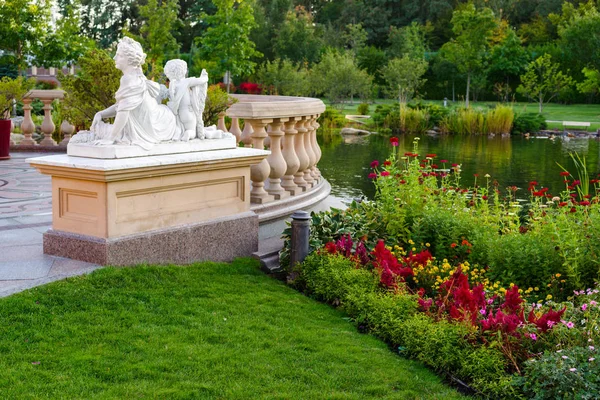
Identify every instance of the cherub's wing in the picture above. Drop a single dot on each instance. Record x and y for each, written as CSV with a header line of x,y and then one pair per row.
x,y
198,101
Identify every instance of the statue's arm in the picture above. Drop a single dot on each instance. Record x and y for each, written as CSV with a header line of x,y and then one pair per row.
x,y
197,81
106,113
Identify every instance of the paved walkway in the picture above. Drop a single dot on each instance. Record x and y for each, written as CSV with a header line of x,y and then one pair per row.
x,y
26,213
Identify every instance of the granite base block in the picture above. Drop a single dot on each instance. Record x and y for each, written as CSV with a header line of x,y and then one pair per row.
x,y
221,239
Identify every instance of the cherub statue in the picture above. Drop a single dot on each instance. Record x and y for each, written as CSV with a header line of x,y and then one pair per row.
x,y
139,118
187,98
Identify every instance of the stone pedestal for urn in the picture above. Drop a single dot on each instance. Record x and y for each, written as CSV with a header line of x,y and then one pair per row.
x,y
171,208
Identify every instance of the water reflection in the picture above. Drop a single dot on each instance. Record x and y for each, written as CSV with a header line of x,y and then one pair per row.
x,y
513,161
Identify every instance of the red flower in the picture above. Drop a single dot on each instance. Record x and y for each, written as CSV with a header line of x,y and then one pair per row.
x,y
431,155
387,163
374,164
394,141
330,248
484,197
443,161
573,210
372,175
542,322
564,173
385,173
584,203
453,245
402,182
562,204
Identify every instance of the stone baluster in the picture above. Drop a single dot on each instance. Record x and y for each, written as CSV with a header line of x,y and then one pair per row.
x,y
276,160
27,126
308,177
317,149
267,142
302,155
235,129
246,137
291,159
48,125
221,123
67,131
259,172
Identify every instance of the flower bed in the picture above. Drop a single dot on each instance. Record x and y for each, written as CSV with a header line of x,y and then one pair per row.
x,y
470,281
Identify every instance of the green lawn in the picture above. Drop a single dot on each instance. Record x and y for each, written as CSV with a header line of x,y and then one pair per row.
x,y
205,331
553,112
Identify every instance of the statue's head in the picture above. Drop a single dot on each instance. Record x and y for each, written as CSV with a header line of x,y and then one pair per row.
x,y
132,51
175,69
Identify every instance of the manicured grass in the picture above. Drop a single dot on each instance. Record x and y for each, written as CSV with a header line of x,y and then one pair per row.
x,y
205,331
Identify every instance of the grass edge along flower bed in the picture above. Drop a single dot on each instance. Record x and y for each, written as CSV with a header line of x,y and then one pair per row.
x,y
209,330
479,315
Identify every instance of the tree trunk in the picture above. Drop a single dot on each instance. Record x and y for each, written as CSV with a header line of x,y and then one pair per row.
x,y
453,92
468,87
540,102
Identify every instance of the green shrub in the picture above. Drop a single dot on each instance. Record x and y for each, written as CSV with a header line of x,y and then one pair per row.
x,y
414,121
330,278
332,118
381,313
528,123
568,374
363,109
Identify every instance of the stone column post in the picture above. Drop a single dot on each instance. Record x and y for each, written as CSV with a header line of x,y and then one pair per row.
x,y
276,161
308,177
27,126
246,137
235,129
259,172
302,155
316,148
48,126
291,159
221,123
67,130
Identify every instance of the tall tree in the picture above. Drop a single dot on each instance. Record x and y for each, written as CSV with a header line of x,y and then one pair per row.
x,y
409,40
473,30
104,20
23,27
544,80
338,77
508,59
404,76
296,39
227,40
63,44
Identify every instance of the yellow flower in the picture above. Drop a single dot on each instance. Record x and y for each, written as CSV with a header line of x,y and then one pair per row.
x,y
411,242
413,249
427,245
536,288
557,275
549,297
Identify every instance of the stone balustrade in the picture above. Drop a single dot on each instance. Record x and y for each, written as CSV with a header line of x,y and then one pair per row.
x,y
47,127
288,127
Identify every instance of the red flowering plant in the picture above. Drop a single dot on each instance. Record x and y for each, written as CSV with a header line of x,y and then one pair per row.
x,y
250,88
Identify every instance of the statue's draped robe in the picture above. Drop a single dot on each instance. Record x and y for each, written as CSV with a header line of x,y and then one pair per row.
x,y
149,123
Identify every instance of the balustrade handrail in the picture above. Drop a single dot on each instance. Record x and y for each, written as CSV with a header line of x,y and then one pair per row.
x,y
259,106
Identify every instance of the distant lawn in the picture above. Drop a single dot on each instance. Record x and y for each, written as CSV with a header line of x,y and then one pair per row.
x,y
200,332
553,112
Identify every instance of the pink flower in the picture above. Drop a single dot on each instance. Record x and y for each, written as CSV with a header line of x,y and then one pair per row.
x,y
591,359
372,175
385,173
572,369
592,348
533,336
593,303
394,141
564,357
550,324
482,311
570,325
584,307
374,164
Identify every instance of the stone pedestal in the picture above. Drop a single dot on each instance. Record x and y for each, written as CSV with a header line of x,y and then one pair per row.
x,y
177,208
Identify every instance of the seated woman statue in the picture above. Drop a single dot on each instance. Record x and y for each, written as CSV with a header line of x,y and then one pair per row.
x,y
139,118
187,98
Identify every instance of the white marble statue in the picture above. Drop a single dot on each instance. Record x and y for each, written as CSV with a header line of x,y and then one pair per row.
x,y
139,117
187,98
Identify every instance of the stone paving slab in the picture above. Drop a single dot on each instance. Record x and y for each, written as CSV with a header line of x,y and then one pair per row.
x,y
25,214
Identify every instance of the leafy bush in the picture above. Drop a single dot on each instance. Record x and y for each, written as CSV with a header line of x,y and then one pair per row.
x,y
528,123
91,90
363,109
499,120
332,118
217,101
564,374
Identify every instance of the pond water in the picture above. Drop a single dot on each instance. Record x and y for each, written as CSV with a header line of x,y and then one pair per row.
x,y
513,161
